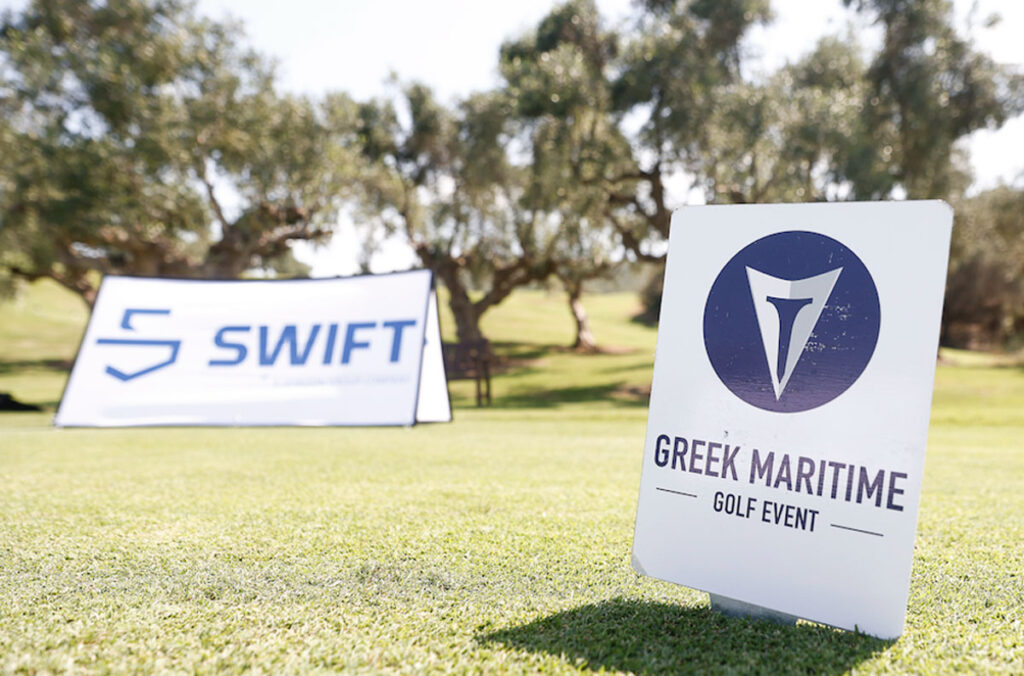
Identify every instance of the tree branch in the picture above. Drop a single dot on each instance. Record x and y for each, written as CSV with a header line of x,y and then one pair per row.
x,y
218,212
631,241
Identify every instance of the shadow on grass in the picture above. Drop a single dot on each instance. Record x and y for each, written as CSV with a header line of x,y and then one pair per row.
x,y
518,353
514,354
526,359
58,365
657,638
619,394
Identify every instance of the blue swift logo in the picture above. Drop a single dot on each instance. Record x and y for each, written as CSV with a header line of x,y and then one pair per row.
x,y
791,321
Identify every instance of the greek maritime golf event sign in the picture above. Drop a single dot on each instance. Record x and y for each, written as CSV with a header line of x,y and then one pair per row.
x,y
348,351
790,404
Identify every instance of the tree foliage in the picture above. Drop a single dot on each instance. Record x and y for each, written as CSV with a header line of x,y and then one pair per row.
x,y
785,139
827,127
557,76
138,138
929,87
985,288
445,180
678,62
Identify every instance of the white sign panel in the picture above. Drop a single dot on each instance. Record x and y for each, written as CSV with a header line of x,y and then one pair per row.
x,y
790,404
346,351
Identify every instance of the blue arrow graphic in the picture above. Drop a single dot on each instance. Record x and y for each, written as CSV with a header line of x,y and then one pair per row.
x,y
126,324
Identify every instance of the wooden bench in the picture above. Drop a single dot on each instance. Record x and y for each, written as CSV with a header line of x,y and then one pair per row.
x,y
470,359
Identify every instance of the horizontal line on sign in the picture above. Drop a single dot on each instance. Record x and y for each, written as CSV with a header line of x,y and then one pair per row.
x,y
857,530
669,490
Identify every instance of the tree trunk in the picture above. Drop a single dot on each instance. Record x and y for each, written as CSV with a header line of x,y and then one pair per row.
x,y
89,296
585,341
465,312
467,321
224,262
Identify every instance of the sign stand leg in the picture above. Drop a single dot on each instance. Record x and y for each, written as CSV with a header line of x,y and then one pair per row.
x,y
733,608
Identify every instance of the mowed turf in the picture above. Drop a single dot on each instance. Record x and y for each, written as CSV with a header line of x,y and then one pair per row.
x,y
498,543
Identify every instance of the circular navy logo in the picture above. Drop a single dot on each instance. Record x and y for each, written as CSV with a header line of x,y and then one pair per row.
x,y
791,321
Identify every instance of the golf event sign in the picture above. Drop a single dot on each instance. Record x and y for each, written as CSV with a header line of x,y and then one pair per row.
x,y
346,351
790,404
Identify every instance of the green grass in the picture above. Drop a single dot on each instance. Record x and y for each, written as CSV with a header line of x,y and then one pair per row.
x,y
498,544
39,334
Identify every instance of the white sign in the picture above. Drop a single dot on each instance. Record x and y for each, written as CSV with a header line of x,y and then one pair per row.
x,y
347,351
790,404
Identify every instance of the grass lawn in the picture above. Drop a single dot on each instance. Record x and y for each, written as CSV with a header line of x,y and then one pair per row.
x,y
498,543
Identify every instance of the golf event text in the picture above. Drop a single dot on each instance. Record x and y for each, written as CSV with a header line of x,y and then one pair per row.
x,y
830,479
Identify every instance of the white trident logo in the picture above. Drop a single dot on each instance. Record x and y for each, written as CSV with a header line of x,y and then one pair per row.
x,y
787,312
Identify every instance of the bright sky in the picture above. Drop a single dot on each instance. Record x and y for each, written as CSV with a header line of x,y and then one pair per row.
x,y
452,45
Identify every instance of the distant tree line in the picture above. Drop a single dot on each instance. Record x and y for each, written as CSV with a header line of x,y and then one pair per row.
x,y
137,137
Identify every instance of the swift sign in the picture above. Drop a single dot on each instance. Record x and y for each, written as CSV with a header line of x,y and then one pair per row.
x,y
789,406
345,351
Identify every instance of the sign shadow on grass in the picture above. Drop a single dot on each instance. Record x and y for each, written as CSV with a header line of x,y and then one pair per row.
x,y
647,637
